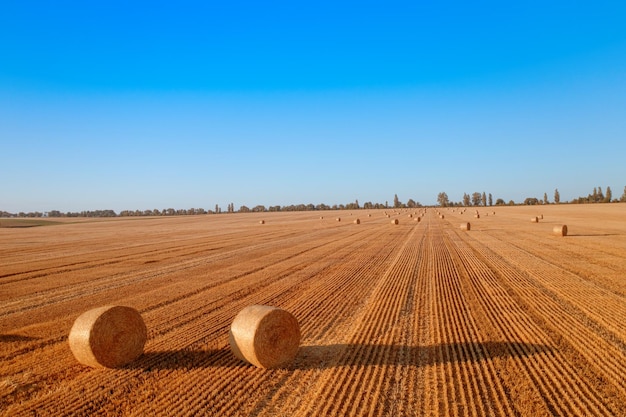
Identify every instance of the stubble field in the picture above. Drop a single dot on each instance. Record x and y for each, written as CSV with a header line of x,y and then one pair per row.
x,y
419,318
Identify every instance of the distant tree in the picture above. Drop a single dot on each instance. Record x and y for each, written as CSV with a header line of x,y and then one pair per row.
x,y
396,201
476,198
623,197
466,199
600,197
594,196
511,203
259,208
500,202
531,201
609,195
490,200
557,196
442,199
410,203
483,199
545,198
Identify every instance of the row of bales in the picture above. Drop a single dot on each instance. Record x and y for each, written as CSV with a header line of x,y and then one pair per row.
x,y
559,230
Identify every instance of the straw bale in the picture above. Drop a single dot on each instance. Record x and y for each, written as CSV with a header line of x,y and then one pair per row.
x,y
560,230
108,337
264,336
465,226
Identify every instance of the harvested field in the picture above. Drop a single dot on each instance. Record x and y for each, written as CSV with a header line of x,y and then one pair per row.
x,y
420,319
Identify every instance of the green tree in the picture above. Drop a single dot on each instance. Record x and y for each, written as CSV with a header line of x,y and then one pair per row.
x,y
609,195
557,196
490,200
545,198
623,197
466,199
600,197
483,199
476,197
396,201
442,199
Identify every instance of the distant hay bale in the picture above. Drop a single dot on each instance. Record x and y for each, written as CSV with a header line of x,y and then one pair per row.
x,y
394,221
419,219
357,221
264,336
541,216
321,217
410,215
369,215
465,226
493,213
477,216
262,222
534,219
108,337
560,230
441,216
338,219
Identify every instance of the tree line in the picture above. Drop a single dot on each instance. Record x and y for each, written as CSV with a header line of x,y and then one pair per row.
x,y
482,199
475,199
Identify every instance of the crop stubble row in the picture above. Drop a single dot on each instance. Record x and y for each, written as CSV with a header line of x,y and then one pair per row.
x,y
414,319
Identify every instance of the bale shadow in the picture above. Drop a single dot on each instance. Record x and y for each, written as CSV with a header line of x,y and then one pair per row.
x,y
7,338
345,355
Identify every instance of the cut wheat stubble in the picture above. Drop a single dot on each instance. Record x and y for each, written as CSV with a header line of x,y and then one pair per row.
x,y
264,336
108,337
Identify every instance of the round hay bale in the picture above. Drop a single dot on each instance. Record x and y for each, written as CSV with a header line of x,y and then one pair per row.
x,y
465,226
108,337
357,221
534,219
410,215
321,217
394,221
419,219
264,336
338,219
541,216
261,221
477,215
560,230
441,216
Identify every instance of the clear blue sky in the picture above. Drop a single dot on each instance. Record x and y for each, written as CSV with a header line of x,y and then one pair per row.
x,y
142,105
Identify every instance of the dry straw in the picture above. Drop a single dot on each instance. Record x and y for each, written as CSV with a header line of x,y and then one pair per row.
x,y
265,336
465,226
560,230
108,337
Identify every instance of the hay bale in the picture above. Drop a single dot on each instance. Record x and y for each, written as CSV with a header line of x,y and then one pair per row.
x,y
534,219
560,230
108,337
394,221
477,216
262,222
357,221
441,216
338,219
465,226
264,336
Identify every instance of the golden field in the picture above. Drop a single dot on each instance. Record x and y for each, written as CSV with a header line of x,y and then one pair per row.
x,y
417,319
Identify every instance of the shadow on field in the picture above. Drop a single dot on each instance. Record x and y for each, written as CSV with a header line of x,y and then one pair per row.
x,y
341,355
6,338
330,356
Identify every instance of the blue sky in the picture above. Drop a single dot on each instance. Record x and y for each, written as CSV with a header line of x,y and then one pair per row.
x,y
189,104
